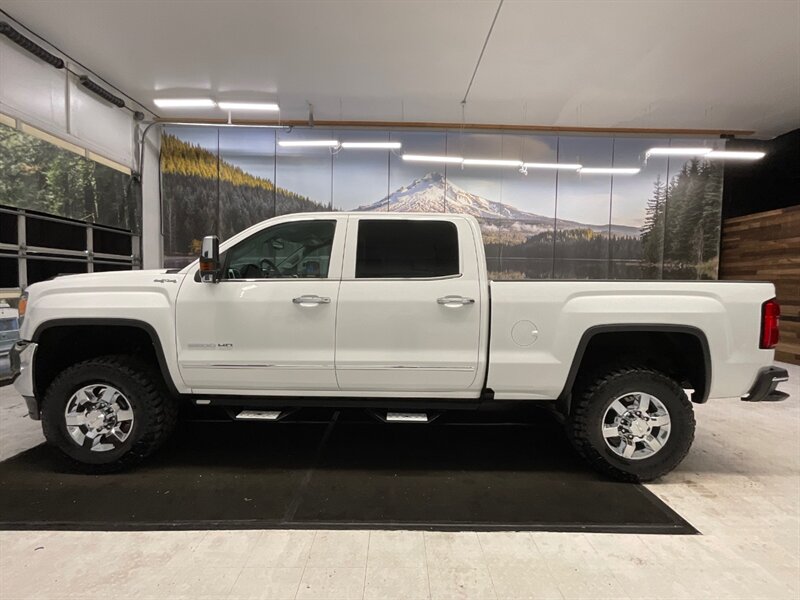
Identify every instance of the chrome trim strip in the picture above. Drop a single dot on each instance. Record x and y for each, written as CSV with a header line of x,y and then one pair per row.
x,y
205,365
210,365
402,367
307,279
440,278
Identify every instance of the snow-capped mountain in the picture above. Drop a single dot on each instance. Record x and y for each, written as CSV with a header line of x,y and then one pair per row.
x,y
432,193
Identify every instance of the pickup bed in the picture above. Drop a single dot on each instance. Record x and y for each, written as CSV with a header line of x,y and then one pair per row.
x,y
394,312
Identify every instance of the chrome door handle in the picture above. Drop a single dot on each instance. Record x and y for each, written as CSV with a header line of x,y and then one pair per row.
x,y
454,301
311,300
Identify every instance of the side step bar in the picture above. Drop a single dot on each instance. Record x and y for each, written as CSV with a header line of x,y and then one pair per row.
x,y
407,417
258,415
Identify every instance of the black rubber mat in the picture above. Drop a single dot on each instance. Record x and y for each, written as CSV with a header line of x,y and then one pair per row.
x,y
340,470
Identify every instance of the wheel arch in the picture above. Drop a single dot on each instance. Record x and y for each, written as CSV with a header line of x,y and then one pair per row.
x,y
641,336
68,325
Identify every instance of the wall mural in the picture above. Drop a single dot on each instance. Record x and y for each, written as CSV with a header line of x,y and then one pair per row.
x,y
660,223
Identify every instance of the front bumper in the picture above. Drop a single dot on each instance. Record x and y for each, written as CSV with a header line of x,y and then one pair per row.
x,y
21,358
763,389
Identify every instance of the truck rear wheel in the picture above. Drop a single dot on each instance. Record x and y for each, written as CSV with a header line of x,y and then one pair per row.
x,y
634,423
107,413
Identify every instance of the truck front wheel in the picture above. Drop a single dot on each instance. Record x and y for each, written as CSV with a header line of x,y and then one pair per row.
x,y
635,424
107,413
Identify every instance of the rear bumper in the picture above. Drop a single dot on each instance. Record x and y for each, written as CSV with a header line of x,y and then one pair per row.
x,y
21,358
763,389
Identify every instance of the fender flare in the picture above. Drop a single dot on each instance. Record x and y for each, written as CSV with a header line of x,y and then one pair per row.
x,y
111,322
564,400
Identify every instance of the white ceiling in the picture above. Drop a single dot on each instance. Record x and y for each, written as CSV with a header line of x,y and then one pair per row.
x,y
665,64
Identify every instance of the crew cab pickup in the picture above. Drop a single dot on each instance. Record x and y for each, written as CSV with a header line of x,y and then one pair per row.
x,y
394,312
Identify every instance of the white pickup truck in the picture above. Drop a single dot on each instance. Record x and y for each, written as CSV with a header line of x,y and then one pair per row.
x,y
392,312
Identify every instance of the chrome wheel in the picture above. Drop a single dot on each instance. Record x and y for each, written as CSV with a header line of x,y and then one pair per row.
x,y
99,417
636,425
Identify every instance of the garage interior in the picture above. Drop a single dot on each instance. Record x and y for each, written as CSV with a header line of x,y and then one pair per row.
x,y
601,141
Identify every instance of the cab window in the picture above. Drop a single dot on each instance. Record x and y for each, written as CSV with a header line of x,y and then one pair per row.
x,y
300,249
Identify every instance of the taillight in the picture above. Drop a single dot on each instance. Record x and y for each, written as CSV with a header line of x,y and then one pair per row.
x,y
770,323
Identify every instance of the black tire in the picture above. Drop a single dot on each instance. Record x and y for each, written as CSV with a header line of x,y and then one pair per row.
x,y
593,397
155,412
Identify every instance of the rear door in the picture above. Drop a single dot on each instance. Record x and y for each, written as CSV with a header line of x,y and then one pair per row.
x,y
409,314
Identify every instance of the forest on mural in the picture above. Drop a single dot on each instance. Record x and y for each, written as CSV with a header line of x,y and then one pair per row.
x,y
37,175
679,238
195,206
682,222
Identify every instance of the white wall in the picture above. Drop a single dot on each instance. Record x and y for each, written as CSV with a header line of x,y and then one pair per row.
x,y
53,100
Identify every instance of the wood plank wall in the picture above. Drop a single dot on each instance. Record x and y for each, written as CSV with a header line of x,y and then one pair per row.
x,y
766,247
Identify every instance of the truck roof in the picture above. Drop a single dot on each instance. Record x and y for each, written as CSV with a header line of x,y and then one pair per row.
x,y
387,214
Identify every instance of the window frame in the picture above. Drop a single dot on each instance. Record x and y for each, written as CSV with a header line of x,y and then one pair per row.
x,y
225,255
453,224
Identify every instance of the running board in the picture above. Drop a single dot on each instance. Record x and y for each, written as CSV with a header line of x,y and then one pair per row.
x,y
258,415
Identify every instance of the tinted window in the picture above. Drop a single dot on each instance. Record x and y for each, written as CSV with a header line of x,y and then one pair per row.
x,y
389,248
299,249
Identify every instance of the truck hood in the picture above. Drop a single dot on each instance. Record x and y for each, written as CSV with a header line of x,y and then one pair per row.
x,y
145,295
103,278
107,280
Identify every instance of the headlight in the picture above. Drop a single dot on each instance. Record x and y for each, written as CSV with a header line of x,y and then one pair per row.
x,y
23,304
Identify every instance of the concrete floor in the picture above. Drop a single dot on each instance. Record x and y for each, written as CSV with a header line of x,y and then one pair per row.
x,y
740,486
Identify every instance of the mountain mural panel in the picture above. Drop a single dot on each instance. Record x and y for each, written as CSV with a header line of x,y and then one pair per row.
x,y
679,215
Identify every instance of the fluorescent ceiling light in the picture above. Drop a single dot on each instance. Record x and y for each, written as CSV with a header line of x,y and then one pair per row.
x,y
491,162
610,170
678,151
184,102
300,143
372,145
571,167
736,155
248,106
429,158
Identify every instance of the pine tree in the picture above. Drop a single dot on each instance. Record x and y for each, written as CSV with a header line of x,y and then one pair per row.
x,y
652,236
712,212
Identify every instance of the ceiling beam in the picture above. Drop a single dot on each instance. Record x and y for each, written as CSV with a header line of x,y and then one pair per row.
x,y
480,126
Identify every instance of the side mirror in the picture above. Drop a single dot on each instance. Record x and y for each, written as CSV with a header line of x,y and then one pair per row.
x,y
209,259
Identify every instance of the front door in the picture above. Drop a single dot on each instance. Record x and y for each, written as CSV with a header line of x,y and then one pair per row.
x,y
269,324
410,308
